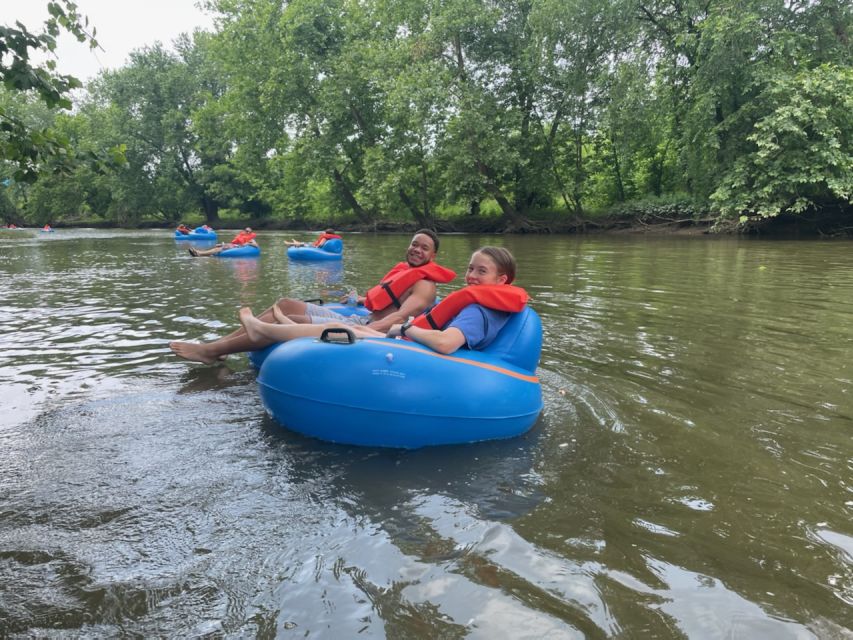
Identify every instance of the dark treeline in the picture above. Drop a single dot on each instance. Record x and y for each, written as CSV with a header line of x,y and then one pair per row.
x,y
517,115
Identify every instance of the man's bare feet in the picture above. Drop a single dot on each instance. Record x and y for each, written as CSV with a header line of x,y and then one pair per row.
x,y
194,352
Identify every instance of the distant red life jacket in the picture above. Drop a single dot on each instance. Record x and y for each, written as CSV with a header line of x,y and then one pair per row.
x,y
243,237
500,297
320,241
402,278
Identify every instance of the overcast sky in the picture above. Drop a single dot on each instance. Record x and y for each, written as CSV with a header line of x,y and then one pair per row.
x,y
123,25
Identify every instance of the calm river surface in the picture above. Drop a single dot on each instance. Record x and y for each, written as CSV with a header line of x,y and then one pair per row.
x,y
691,475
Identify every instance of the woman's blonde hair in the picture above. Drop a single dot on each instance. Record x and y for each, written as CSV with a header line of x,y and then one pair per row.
x,y
503,259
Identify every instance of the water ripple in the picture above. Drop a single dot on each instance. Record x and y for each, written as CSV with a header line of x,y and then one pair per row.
x,y
693,454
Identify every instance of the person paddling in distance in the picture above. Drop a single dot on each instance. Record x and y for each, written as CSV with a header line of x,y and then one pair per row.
x,y
325,236
407,290
470,318
245,238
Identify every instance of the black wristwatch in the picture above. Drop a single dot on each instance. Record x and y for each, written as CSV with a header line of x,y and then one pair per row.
x,y
404,327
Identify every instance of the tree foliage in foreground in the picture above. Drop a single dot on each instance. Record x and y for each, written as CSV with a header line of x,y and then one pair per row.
x,y
26,146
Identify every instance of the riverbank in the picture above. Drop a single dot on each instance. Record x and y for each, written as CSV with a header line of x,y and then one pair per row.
x,y
835,223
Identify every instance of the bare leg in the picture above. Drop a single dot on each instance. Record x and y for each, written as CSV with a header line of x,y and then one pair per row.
x,y
194,351
279,316
291,308
266,332
209,252
237,341
366,332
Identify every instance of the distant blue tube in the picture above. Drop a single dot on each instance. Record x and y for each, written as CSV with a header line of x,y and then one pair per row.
x,y
394,393
331,250
246,251
196,234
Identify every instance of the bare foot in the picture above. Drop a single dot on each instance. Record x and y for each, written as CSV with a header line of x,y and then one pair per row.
x,y
194,352
251,324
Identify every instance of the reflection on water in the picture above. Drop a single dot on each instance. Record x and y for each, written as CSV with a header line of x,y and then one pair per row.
x,y
197,244
690,475
246,270
322,277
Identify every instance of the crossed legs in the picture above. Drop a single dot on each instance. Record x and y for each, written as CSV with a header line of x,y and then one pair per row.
x,y
284,313
285,329
237,341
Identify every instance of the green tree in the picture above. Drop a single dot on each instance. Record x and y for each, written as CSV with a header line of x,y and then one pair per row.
x,y
164,104
801,148
22,144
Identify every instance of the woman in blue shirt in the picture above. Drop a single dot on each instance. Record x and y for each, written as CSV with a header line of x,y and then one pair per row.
x,y
474,327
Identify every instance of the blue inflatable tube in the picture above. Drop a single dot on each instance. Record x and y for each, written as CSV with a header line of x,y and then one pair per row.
x,y
331,250
395,393
246,251
199,233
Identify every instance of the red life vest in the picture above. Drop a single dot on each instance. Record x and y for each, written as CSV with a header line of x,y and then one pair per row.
x,y
243,237
500,297
319,242
400,279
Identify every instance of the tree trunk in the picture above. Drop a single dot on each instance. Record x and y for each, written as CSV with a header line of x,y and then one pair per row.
x,y
617,172
510,212
419,217
579,177
425,193
350,198
211,210
524,197
460,59
549,145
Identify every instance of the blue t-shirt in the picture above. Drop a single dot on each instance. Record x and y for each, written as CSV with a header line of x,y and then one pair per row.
x,y
480,325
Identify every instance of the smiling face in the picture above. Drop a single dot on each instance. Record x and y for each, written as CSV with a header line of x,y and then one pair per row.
x,y
483,270
420,251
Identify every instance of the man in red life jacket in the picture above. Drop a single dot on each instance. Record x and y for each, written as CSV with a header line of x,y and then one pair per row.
x,y
469,318
184,229
407,290
245,237
328,234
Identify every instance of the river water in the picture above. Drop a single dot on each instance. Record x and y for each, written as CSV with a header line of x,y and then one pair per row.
x,y
690,476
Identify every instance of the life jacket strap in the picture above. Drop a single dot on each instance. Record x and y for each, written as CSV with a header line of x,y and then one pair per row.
x,y
432,323
394,300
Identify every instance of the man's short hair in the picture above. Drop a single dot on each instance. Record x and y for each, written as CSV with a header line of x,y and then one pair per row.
x,y
432,234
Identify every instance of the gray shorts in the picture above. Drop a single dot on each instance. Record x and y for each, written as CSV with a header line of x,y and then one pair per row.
x,y
320,315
